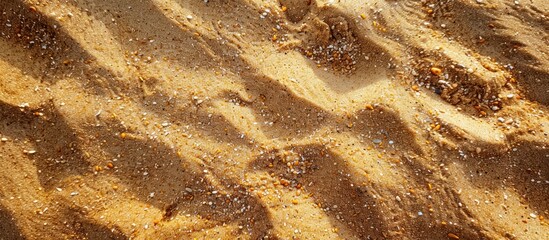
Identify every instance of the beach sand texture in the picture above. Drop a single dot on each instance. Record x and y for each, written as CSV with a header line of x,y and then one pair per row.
x,y
266,119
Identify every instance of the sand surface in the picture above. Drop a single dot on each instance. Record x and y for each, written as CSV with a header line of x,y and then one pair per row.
x,y
266,119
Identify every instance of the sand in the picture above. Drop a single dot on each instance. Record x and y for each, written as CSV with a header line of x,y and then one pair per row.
x,y
265,119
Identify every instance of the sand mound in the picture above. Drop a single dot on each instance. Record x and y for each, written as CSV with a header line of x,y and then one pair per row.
x,y
290,119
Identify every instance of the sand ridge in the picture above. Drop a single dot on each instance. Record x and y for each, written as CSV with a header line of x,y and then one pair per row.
x,y
284,119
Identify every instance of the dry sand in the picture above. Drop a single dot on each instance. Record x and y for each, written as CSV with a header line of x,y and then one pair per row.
x,y
290,119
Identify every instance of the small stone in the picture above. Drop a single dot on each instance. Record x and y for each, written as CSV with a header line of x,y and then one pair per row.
x,y
4,139
510,96
436,71
453,236
376,141
501,120
29,152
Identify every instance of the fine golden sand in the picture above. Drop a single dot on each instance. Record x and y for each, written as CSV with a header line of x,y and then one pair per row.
x,y
274,119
